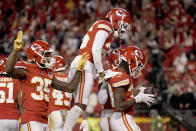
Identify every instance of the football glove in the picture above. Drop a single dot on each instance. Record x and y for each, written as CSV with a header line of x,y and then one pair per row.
x,y
18,43
146,98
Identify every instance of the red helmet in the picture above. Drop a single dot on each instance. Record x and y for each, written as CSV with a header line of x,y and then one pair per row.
x,y
2,66
114,59
120,20
136,59
41,53
59,64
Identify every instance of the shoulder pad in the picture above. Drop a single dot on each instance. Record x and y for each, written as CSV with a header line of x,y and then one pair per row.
x,y
105,25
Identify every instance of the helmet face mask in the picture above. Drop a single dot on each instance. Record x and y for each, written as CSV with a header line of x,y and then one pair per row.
x,y
123,29
47,60
136,72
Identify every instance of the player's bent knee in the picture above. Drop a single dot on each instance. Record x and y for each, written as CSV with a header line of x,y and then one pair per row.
x,y
82,106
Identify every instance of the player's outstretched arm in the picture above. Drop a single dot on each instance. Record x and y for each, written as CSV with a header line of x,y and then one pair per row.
x,y
70,87
12,59
120,104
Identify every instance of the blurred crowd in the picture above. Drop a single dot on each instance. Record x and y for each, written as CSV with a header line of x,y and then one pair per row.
x,y
164,29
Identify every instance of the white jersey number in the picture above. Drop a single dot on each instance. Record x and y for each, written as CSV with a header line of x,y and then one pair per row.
x,y
58,95
42,89
3,98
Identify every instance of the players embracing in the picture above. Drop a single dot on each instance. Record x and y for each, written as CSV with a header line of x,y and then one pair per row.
x,y
125,65
98,38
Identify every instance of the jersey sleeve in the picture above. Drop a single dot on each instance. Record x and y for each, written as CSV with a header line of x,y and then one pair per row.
x,y
120,80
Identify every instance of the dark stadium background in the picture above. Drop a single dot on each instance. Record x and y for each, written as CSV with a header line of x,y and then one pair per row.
x,y
164,29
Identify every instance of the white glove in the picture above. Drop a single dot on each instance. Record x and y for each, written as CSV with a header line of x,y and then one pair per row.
x,y
146,98
84,125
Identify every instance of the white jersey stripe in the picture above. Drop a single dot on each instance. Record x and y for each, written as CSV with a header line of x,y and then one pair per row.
x,y
105,27
121,83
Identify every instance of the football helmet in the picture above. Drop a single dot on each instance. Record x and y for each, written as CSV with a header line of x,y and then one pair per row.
x,y
114,58
59,63
136,60
2,66
120,20
41,53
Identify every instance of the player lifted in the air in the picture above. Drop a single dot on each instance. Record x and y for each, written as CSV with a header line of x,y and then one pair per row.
x,y
98,38
36,77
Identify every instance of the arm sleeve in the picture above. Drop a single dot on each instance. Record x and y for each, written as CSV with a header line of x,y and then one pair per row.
x,y
99,41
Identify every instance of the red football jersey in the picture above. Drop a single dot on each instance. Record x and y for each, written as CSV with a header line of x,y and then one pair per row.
x,y
58,99
123,80
9,89
88,39
35,92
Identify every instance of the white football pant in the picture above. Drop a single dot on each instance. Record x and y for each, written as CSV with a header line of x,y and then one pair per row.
x,y
34,126
84,88
56,120
9,125
123,122
105,119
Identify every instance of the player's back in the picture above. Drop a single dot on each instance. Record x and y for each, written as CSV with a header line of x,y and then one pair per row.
x,y
9,89
59,99
35,92
123,80
88,40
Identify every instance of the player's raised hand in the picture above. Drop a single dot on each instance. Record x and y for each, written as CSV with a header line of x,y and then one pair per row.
x,y
82,61
18,43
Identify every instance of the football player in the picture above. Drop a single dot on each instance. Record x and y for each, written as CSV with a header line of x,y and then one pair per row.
x,y
113,62
120,88
9,93
97,39
36,77
59,101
